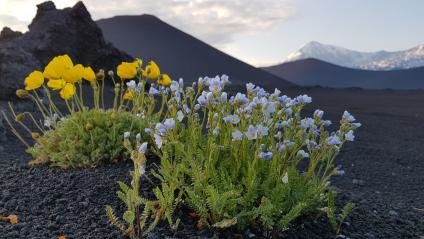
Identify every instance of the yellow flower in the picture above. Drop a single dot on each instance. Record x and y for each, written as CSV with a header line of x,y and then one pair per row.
x,y
164,80
152,70
128,95
68,91
34,81
74,74
57,67
56,84
89,75
127,70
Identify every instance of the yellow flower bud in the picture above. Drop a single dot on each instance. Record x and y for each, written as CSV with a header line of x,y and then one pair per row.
x,y
114,116
35,135
21,93
100,75
89,126
20,117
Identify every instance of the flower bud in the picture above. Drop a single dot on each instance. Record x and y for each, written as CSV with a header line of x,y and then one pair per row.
x,y
100,75
19,117
35,135
21,93
89,126
114,116
110,73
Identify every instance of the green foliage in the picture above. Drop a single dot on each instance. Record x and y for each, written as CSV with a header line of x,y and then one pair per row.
x,y
86,138
336,220
250,162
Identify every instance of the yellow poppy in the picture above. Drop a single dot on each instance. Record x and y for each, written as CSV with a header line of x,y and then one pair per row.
x,y
56,84
74,74
127,70
164,80
128,95
68,91
152,70
34,80
89,75
57,67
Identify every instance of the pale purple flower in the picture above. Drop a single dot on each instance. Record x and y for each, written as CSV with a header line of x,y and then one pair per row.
x,y
148,131
233,119
268,107
127,135
139,87
131,84
158,140
153,91
224,96
307,123
180,115
237,135
265,155
215,86
348,116
138,137
161,128
142,170
250,86
281,147
251,133
262,130
143,148
319,114
197,107
327,123
202,100
240,98
186,109
174,86
301,153
334,140
169,123
349,136
303,99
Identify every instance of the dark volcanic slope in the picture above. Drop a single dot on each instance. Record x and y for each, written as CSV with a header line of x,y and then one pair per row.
x,y
315,72
178,53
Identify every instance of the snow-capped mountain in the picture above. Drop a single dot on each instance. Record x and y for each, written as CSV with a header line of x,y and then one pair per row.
x,y
380,60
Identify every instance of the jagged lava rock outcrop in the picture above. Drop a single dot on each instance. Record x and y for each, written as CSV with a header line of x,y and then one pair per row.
x,y
53,32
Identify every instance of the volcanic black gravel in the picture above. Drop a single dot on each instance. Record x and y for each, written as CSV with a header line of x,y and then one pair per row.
x,y
384,178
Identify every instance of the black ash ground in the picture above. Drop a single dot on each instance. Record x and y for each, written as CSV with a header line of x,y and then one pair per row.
x,y
384,177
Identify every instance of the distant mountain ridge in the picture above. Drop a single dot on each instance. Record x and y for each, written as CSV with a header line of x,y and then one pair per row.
x,y
380,60
178,53
313,72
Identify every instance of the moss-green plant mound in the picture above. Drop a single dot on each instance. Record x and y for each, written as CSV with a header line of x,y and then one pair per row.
x,y
86,138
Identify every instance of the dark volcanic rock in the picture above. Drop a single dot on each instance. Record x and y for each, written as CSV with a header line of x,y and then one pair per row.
x,y
15,65
54,32
72,31
8,34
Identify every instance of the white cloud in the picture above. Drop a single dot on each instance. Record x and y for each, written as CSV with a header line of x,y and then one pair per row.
x,y
213,21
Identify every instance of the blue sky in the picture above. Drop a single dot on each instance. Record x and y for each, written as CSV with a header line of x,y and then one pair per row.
x,y
264,32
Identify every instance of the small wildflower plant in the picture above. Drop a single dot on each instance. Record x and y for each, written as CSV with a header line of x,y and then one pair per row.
x,y
74,133
237,160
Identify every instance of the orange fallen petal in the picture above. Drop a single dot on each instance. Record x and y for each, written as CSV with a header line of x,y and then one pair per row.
x,y
193,214
13,219
61,237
